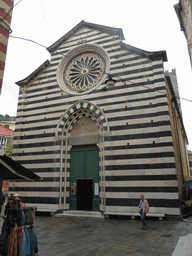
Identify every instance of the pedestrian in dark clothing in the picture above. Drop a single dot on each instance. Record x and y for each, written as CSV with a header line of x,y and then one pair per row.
x,y
143,209
2,201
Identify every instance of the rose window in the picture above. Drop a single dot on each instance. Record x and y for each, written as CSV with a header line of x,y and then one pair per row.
x,y
83,69
84,72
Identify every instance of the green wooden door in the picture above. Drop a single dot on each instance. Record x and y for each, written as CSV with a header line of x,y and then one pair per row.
x,y
84,166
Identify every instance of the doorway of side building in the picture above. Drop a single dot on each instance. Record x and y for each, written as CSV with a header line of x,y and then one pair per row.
x,y
84,178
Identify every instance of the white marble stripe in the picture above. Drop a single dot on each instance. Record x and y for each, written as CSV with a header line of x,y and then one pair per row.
x,y
47,112
140,161
138,151
38,194
148,195
126,123
138,172
134,141
32,103
39,149
142,183
43,165
35,184
45,88
65,48
109,143
111,124
46,115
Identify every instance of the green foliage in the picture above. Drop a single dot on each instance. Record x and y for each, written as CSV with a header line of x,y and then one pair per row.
x,y
7,118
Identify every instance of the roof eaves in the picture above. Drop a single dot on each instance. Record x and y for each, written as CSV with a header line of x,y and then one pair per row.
x,y
178,9
157,55
111,30
34,74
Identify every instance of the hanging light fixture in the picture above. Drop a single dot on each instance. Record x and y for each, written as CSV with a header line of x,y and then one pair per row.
x,y
110,82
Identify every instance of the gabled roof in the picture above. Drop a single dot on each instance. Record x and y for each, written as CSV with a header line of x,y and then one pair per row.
x,y
110,30
33,75
152,55
6,131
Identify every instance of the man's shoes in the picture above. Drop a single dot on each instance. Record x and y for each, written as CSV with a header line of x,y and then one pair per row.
x,y
145,228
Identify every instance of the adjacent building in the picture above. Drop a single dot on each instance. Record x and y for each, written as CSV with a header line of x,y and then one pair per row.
x,y
190,161
8,124
184,13
100,124
6,7
6,135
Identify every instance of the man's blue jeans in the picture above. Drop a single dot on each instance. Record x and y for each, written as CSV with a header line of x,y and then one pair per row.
x,y
143,218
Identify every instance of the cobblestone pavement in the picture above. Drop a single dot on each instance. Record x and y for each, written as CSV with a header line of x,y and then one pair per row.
x,y
107,237
75,236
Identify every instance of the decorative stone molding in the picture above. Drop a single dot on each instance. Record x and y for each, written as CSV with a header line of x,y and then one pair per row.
x,y
105,134
77,111
61,138
83,69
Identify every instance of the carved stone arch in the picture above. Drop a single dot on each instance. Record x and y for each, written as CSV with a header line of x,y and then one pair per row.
x,y
65,126
76,112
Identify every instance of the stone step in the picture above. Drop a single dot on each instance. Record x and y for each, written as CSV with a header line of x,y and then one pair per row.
x,y
85,214
184,246
134,214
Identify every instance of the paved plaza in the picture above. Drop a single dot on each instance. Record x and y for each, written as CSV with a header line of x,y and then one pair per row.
x,y
76,236
80,236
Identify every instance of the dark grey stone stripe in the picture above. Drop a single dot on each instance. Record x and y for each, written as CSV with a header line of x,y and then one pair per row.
x,y
42,153
89,40
169,203
36,144
88,99
105,104
138,126
140,156
39,200
140,189
140,146
141,177
140,166
120,118
146,83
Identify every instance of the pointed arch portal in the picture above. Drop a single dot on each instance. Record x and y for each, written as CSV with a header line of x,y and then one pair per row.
x,y
81,130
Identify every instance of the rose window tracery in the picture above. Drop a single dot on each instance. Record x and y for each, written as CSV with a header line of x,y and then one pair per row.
x,y
84,72
83,69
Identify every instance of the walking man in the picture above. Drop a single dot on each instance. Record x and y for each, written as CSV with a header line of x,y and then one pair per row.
x,y
143,209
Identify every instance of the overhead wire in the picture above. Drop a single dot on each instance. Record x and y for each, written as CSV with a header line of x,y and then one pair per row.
x,y
124,80
17,37
152,89
11,9
32,41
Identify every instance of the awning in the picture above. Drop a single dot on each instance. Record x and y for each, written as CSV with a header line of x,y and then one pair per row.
x,y
188,183
11,170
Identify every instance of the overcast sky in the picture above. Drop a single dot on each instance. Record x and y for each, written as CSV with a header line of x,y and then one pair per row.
x,y
150,25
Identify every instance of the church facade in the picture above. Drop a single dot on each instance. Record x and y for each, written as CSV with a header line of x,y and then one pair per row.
x,y
96,124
